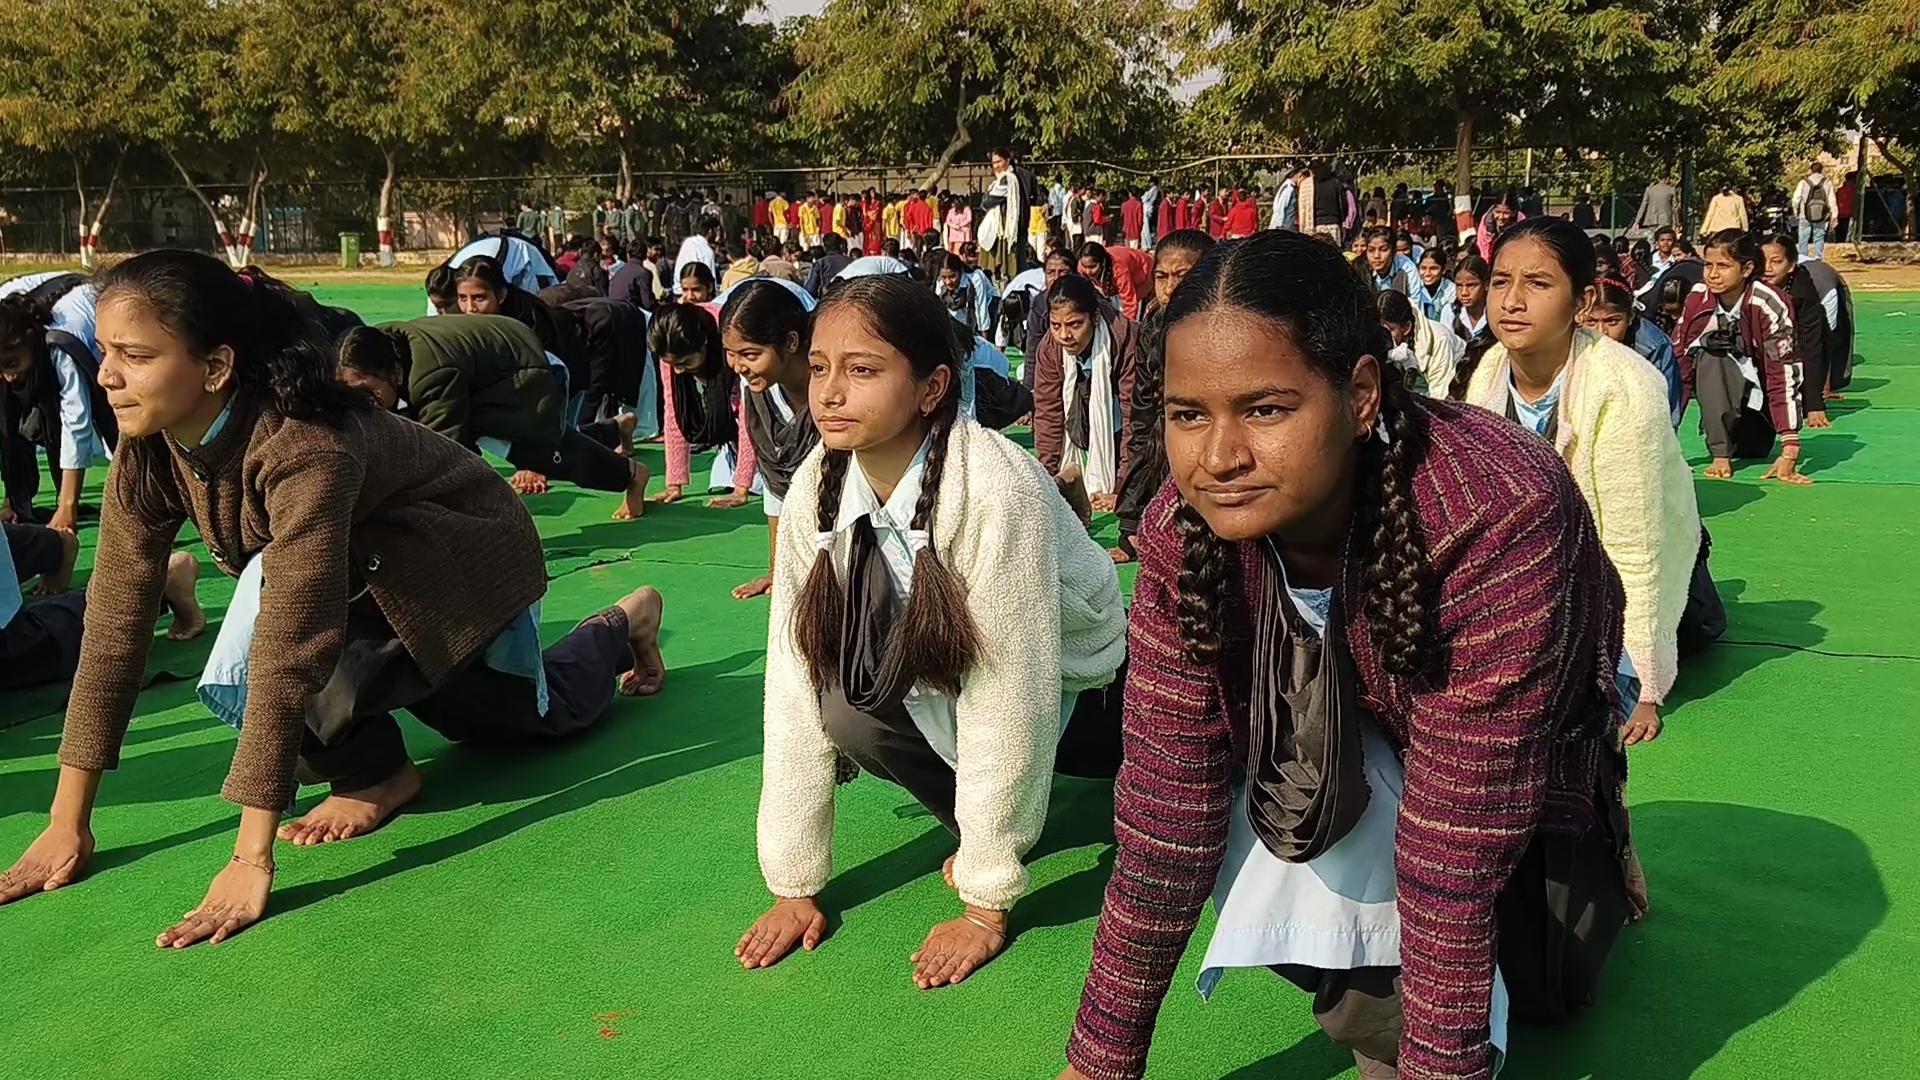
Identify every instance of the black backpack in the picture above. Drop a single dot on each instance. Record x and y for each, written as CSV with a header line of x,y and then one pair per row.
x,y
1816,209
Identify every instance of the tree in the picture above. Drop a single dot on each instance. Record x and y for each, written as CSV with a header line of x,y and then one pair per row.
x,y
1822,60
892,79
682,83
395,77
1373,73
71,87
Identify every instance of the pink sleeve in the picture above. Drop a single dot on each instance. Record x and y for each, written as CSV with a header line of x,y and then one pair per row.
x,y
678,473
745,461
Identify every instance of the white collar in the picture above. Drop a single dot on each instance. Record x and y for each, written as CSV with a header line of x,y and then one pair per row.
x,y
858,499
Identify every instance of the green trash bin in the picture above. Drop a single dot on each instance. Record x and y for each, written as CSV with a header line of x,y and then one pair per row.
x,y
350,250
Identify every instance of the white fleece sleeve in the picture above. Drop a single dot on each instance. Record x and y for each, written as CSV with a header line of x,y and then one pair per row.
x,y
1633,447
796,793
1007,716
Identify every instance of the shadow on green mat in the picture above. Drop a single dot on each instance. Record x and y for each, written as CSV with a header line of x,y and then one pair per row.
x,y
1757,632
1750,907
622,754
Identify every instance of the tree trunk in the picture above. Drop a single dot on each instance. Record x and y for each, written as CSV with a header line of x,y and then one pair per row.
x,y
625,192
80,187
1462,166
961,137
250,213
219,223
384,219
90,248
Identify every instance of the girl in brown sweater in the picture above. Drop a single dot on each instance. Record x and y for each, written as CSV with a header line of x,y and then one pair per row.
x,y
370,529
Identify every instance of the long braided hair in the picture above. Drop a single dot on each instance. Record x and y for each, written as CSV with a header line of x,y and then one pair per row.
x,y
1308,288
935,637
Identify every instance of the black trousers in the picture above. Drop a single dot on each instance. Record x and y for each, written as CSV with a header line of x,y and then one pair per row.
x,y
1732,429
20,471
42,643
478,705
889,746
585,457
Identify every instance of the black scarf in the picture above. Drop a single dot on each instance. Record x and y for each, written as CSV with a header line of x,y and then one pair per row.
x,y
870,674
1077,425
780,445
1306,781
704,407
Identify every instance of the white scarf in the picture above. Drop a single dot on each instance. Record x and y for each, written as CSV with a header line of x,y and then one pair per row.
x,y
1099,463
1006,222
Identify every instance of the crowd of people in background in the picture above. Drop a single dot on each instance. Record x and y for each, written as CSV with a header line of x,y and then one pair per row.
x,y
1482,395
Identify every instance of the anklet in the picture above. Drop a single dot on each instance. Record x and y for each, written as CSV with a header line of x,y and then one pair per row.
x,y
984,925
255,865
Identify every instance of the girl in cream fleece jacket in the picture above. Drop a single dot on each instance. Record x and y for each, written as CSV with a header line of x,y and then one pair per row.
x,y
939,624
1605,410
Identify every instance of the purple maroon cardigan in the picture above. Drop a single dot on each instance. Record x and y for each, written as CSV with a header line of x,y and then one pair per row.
x,y
1518,734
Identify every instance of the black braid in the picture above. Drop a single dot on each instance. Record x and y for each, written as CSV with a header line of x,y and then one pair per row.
x,y
1201,592
936,638
1399,594
1469,363
821,611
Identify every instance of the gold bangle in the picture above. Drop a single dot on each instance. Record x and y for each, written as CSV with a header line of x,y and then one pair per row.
x,y
255,865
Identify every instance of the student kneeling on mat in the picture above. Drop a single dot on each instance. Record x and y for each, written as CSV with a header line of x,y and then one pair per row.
x,y
945,624
357,538
484,382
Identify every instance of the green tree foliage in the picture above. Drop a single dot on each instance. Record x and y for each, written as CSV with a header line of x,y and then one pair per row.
x,y
1371,73
1822,60
894,80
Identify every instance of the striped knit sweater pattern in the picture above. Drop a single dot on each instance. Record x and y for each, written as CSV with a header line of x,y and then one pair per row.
x,y
1509,735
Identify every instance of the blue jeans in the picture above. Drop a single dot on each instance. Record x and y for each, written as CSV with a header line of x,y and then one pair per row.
x,y
1816,233
1629,687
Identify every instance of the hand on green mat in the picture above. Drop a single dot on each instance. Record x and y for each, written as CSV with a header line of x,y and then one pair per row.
x,y
956,948
733,501
1783,469
1643,726
236,900
791,921
55,858
759,586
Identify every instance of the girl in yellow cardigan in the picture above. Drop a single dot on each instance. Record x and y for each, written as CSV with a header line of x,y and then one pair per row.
x,y
1606,411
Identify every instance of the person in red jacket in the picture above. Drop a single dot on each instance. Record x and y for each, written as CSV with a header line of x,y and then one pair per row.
x,y
1133,218
1217,217
1166,217
916,219
762,223
1244,217
872,235
1097,216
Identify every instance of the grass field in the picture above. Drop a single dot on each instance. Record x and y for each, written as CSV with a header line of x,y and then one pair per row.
x,y
571,913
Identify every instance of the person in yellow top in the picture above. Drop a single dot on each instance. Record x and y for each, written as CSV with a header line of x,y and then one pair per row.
x,y
810,221
890,218
777,214
840,218
1037,230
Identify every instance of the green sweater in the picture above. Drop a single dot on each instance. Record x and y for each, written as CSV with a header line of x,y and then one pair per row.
x,y
481,376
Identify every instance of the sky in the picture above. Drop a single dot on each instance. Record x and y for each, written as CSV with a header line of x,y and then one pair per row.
x,y
784,9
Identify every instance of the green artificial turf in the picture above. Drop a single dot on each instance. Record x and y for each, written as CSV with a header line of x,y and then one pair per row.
x,y
571,912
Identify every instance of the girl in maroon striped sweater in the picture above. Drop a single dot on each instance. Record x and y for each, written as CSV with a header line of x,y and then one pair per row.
x,y
1372,699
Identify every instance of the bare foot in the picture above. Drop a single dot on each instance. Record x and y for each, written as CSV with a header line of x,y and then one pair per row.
x,y
528,482
1721,469
1636,887
946,870
627,422
62,579
189,621
344,815
644,608
759,586
1119,555
1073,488
635,502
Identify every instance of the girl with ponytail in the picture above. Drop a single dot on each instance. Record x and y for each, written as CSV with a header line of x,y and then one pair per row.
x,y
50,399
940,619
357,539
1392,619
764,330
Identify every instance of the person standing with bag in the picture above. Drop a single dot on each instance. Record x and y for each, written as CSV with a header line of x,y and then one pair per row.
x,y
1813,204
